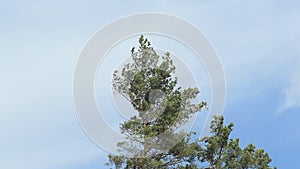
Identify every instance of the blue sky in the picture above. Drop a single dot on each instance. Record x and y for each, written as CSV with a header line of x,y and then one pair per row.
x,y
258,43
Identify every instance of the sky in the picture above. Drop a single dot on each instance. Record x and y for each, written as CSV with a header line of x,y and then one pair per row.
x,y
258,43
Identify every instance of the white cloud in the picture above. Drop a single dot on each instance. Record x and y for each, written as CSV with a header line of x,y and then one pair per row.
x,y
291,93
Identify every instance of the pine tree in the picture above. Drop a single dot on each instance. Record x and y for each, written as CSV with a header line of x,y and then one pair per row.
x,y
149,84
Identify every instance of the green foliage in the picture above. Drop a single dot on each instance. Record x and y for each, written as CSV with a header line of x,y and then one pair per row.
x,y
148,83
221,152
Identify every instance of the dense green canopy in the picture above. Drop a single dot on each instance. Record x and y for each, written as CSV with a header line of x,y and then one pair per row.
x,y
148,83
